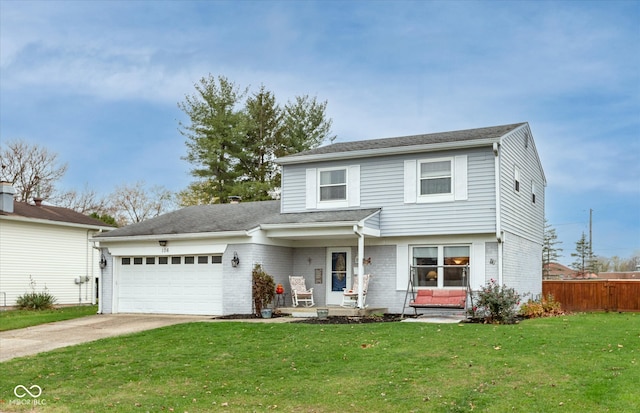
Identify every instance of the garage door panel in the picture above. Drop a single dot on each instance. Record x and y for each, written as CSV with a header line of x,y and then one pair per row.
x,y
171,289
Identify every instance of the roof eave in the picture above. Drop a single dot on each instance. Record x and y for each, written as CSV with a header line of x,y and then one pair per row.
x,y
172,237
59,223
398,150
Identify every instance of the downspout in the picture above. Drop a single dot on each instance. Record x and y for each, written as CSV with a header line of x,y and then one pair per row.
x,y
100,279
360,235
499,234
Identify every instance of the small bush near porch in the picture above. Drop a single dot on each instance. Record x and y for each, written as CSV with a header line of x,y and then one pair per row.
x,y
578,363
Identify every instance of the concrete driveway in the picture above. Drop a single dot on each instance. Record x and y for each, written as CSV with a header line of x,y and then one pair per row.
x,y
45,337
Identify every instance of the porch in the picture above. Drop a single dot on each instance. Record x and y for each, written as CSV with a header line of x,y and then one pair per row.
x,y
334,311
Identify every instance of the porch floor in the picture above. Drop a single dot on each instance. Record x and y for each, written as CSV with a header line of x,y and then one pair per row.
x,y
334,311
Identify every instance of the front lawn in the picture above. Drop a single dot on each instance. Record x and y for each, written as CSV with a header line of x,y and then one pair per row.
x,y
581,363
13,319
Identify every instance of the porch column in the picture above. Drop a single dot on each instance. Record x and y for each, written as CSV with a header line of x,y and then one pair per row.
x,y
360,265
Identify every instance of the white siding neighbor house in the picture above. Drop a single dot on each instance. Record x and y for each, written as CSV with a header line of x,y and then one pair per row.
x,y
449,210
46,247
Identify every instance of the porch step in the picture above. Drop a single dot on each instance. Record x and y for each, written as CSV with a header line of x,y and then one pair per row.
x,y
334,311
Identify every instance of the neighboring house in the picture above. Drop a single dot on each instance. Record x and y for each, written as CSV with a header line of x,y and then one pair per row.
x,y
433,203
46,247
557,271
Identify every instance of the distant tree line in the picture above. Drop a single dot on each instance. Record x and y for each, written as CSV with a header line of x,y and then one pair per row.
x,y
585,261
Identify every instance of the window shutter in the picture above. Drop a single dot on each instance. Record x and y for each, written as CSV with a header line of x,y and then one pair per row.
x,y
410,182
353,185
312,188
460,178
402,266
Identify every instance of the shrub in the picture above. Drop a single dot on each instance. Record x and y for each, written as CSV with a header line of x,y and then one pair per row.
x,y
35,300
544,307
263,289
497,303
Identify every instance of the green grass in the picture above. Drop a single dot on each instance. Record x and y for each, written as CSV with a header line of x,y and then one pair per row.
x,y
13,319
581,363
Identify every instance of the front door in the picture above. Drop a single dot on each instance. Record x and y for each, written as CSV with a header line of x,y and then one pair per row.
x,y
339,277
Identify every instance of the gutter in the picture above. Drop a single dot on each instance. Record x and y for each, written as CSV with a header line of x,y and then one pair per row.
x,y
172,237
499,233
398,150
52,222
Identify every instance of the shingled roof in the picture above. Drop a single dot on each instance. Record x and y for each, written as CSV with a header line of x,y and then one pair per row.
x,y
52,213
488,133
219,218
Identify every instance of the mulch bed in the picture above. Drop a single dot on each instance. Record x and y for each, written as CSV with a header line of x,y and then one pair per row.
x,y
385,318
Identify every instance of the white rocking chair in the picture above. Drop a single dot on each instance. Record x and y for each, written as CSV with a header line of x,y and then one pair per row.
x,y
299,292
350,297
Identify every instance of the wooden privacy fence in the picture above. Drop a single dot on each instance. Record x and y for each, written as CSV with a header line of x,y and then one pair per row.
x,y
595,295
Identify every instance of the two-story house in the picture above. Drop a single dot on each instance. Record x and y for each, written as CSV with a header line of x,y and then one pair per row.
x,y
454,209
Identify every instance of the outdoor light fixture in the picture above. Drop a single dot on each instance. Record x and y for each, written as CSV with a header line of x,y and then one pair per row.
x,y
235,261
163,243
103,262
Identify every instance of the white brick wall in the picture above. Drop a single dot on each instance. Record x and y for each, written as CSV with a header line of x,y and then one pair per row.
x,y
522,265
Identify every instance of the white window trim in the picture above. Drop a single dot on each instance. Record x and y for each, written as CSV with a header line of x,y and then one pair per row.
x,y
440,262
352,177
442,197
459,181
534,193
517,182
333,203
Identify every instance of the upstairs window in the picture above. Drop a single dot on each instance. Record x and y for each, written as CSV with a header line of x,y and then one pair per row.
x,y
328,188
435,177
435,180
533,192
516,178
333,185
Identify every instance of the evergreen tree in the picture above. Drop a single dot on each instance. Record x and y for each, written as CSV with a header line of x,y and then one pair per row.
x,y
214,137
550,253
233,148
256,167
584,262
305,126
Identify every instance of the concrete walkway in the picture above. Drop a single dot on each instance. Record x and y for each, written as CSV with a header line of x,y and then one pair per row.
x,y
46,337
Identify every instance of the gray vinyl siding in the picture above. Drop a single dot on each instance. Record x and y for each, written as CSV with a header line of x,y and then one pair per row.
x,y
519,215
382,186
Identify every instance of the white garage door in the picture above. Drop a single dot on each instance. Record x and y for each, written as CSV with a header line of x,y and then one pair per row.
x,y
170,285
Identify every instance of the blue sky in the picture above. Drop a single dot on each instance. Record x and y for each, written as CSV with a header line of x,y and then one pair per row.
x,y
98,82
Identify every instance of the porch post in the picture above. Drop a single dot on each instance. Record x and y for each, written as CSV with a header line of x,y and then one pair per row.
x,y
360,265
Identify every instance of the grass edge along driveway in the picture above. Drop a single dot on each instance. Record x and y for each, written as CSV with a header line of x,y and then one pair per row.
x,y
15,319
578,363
